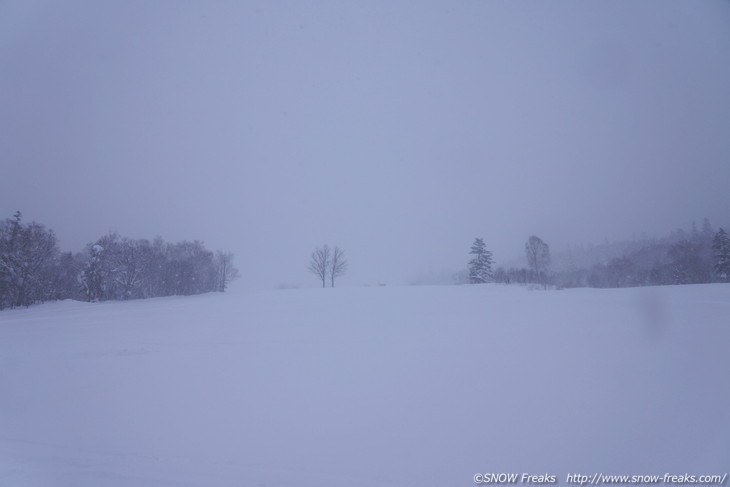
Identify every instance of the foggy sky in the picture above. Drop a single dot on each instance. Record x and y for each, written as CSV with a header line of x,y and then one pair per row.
x,y
396,130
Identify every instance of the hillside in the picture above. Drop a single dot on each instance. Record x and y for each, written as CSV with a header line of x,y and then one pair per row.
x,y
385,386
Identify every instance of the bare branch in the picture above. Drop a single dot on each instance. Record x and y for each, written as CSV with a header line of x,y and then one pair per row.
x,y
339,265
319,263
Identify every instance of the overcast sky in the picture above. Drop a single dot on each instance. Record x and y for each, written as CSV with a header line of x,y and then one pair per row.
x,y
397,130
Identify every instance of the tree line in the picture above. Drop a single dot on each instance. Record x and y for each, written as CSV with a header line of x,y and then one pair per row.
x,y
537,253
694,257
683,257
34,270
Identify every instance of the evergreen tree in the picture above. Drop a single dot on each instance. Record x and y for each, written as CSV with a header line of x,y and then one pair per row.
x,y
92,280
480,267
686,266
706,229
721,254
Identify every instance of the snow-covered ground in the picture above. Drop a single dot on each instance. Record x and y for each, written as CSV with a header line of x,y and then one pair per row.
x,y
383,386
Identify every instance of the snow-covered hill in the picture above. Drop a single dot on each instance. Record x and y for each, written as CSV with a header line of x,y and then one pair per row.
x,y
384,386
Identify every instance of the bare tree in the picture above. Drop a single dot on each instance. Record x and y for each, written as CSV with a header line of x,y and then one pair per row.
x,y
224,270
538,258
319,263
338,265
130,263
28,253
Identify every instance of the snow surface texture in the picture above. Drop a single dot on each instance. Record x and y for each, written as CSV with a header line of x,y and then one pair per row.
x,y
409,386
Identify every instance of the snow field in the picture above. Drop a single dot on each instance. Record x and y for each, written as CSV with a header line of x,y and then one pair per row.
x,y
385,386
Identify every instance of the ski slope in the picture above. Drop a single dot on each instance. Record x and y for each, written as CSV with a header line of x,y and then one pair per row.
x,y
382,386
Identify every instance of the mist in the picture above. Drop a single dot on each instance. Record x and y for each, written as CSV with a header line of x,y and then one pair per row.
x,y
394,131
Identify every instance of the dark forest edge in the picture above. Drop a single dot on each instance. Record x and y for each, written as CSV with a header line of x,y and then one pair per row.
x,y
683,257
33,270
697,256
